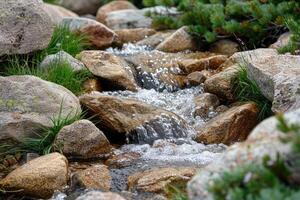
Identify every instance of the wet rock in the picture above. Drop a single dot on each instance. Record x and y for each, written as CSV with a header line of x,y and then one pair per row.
x,y
122,160
97,33
28,103
21,23
264,140
182,37
112,6
133,35
204,102
62,57
92,85
83,140
222,84
94,177
156,39
129,18
195,78
57,13
40,177
282,41
82,7
156,180
109,67
212,62
139,121
234,125
97,195
277,77
224,47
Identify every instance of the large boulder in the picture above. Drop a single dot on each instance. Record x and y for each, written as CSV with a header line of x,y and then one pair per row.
x,y
57,13
39,177
139,121
182,37
264,140
158,179
109,67
97,195
97,33
277,77
233,125
82,7
83,140
25,27
113,6
28,103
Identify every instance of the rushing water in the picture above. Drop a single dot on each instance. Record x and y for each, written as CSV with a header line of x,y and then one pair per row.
x,y
163,152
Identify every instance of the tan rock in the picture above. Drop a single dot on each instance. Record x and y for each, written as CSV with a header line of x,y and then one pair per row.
x,y
123,159
97,195
234,125
57,13
224,47
113,6
180,40
122,116
109,67
97,33
195,78
192,65
204,102
222,84
40,177
156,180
133,35
156,39
282,41
94,177
83,140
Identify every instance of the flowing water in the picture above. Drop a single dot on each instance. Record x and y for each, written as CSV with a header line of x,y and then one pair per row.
x,y
175,151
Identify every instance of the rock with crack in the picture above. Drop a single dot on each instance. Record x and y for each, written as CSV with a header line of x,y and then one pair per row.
x,y
140,122
39,177
97,33
158,179
233,125
25,27
82,140
28,103
109,67
264,140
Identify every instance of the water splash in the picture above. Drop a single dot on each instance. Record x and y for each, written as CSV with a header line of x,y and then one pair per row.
x,y
129,49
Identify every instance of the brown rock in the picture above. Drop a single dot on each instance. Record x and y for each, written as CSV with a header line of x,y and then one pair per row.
x,y
204,102
97,33
109,67
82,7
113,6
57,13
224,47
92,85
122,160
195,78
156,180
222,84
40,177
133,35
83,140
156,39
234,125
94,177
180,40
192,65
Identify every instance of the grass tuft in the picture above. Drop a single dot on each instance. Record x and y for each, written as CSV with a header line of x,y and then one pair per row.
x,y
248,90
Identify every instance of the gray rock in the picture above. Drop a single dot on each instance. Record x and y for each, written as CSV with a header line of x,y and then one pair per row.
x,y
82,7
24,26
282,41
97,195
59,57
83,140
154,40
57,13
265,139
28,103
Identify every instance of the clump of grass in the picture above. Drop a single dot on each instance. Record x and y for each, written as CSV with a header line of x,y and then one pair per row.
x,y
248,90
177,192
42,143
50,1
294,42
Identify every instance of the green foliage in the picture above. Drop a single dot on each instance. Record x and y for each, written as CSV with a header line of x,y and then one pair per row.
x,y
176,193
248,90
42,143
58,72
256,23
293,45
50,1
